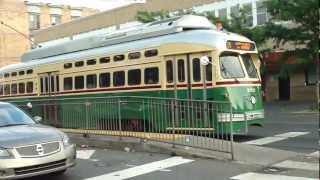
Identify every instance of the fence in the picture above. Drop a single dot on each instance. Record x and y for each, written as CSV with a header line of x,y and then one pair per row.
x,y
194,123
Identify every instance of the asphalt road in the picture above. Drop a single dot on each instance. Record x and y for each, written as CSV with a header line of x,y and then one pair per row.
x,y
284,117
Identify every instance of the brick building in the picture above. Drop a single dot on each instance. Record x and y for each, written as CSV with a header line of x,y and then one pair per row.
x,y
27,18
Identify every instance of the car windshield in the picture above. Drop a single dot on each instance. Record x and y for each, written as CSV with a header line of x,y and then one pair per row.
x,y
248,63
12,116
230,66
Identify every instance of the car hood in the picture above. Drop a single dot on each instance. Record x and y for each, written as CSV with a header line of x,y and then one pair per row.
x,y
16,136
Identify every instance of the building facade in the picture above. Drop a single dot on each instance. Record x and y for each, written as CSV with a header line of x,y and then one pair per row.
x,y
20,19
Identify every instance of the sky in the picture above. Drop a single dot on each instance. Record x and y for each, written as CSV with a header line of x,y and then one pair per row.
x,y
102,5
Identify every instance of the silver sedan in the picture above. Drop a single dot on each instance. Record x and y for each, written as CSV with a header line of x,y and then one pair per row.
x,y
28,148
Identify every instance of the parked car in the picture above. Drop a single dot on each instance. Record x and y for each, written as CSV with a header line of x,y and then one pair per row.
x,y
28,148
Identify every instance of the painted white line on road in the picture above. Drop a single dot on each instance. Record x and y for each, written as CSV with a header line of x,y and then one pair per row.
x,y
143,169
298,165
85,154
265,140
258,176
275,138
314,154
292,134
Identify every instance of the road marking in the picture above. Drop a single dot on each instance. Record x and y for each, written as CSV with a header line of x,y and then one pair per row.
x,y
275,138
314,154
143,169
258,176
265,140
292,134
298,165
85,154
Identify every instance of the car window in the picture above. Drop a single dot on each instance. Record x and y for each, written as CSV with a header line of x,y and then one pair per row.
x,y
11,115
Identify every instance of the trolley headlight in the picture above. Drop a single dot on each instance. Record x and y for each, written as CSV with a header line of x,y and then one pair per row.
x,y
4,153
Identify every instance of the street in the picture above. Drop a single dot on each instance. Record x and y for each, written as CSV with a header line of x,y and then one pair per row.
x,y
286,127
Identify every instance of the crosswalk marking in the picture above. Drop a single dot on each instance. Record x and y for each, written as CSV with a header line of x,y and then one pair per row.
x,y
275,138
298,165
292,134
85,154
143,169
258,176
265,140
314,154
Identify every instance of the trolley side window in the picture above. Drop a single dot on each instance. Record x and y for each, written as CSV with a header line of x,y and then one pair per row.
x,y
118,78
29,87
196,68
7,89
14,89
104,80
209,70
169,68
134,77
22,88
181,70
91,81
151,75
1,89
79,82
67,83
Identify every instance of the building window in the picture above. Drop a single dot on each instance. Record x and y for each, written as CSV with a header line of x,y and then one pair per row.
x,y
7,89
104,80
248,14
55,19
104,60
234,11
196,68
134,77
150,53
79,64
118,57
29,87
222,13
91,62
91,81
34,21
169,71
79,82
67,83
151,75
118,78
6,75
310,77
14,89
134,55
181,70
262,14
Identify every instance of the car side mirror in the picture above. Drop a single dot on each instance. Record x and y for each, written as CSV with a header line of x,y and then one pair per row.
x,y
37,119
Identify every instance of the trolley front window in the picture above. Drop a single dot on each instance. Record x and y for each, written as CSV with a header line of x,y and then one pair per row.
x,y
230,66
248,63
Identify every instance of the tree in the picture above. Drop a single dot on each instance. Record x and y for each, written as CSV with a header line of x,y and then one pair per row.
x,y
301,29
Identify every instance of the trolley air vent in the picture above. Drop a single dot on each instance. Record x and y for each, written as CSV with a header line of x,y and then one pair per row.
x,y
154,29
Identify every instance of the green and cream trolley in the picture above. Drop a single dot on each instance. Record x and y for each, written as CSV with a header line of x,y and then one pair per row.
x,y
154,60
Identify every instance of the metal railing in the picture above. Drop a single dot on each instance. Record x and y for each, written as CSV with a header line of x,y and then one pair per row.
x,y
194,123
